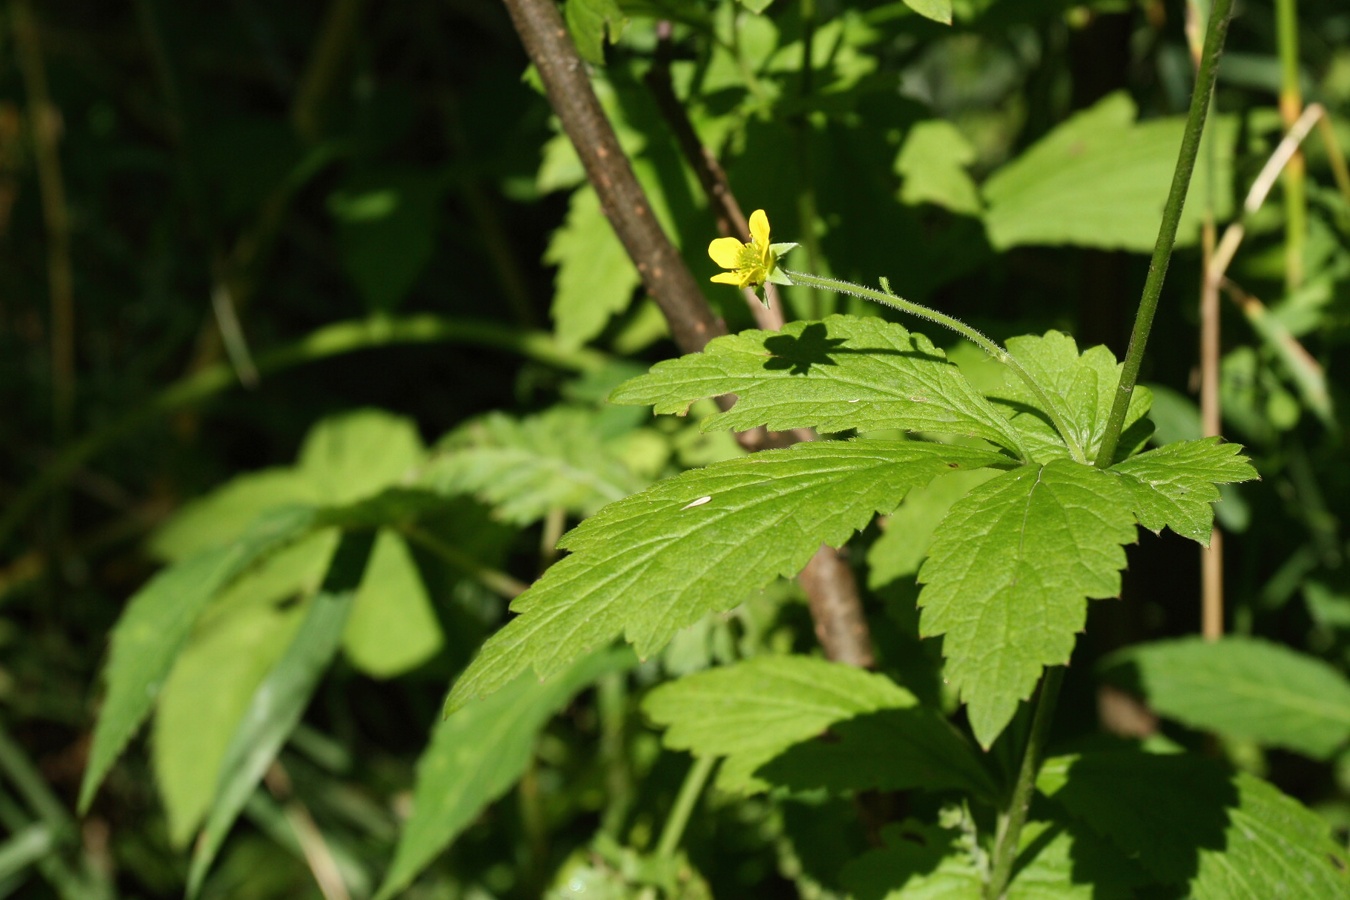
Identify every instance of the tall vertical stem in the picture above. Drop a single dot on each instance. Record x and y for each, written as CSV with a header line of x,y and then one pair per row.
x,y
1009,833
1295,178
1219,17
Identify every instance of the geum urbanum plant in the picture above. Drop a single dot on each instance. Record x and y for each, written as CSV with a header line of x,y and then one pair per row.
x,y
1006,581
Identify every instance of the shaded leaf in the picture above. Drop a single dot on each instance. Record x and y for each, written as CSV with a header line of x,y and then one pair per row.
x,y
475,755
842,373
1008,577
151,631
591,23
526,467
386,229
759,712
908,531
1053,862
1101,180
1185,820
1175,486
1242,687
658,561
932,162
596,279
281,699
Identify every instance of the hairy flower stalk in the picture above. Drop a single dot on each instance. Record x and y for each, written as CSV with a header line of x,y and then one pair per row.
x,y
754,263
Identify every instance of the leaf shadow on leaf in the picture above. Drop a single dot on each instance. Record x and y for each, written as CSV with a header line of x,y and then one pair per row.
x,y
922,751
797,354
1161,810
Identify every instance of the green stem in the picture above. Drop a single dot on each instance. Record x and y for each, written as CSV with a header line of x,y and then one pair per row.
x,y
1217,30
684,805
1010,824
500,583
1291,107
331,340
986,344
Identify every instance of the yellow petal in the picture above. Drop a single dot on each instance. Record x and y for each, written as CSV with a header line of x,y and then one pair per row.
x,y
728,278
759,227
726,252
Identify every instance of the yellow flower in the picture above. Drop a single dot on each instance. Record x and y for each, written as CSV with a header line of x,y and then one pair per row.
x,y
751,264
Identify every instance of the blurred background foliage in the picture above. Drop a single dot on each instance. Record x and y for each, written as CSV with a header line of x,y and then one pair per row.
x,y
252,253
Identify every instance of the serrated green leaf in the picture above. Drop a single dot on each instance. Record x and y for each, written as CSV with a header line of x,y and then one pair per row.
x,y
756,6
596,279
393,627
1054,862
1242,687
475,755
908,531
157,621
591,22
657,561
755,712
1008,577
841,373
1081,388
1175,486
526,467
1101,180
932,162
281,699
916,860
1183,819
1273,847
937,10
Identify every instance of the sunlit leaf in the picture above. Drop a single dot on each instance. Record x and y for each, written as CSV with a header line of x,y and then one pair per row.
x,y
1008,578
844,372
1101,180
658,561
1175,486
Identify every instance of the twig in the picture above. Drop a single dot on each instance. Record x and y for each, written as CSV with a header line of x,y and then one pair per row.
x,y
664,273
1261,187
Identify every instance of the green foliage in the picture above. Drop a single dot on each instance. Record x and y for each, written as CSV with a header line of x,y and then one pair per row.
x,y
230,185
755,712
839,374
1099,180
1242,688
1188,822
1007,576
475,755
524,468
658,561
